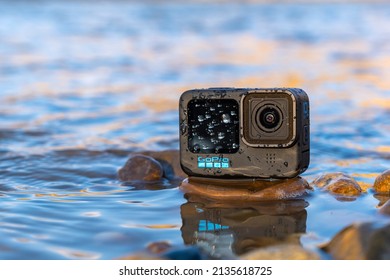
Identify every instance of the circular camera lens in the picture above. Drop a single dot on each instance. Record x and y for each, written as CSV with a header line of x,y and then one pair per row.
x,y
269,118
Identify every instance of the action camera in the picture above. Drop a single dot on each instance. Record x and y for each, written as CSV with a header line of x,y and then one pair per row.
x,y
235,132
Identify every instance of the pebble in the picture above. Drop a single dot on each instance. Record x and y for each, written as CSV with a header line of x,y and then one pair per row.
x,y
141,167
246,190
281,252
338,183
362,241
382,183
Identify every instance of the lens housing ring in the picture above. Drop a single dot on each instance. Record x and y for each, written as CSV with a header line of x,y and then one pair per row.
x,y
269,118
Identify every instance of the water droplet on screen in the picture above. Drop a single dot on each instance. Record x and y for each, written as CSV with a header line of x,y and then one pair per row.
x,y
225,118
219,105
208,116
218,149
196,148
212,109
234,145
233,113
201,118
221,135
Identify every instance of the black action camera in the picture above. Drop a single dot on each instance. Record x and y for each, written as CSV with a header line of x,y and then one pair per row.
x,y
234,132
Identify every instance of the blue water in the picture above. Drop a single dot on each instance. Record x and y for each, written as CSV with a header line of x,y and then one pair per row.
x,y
82,85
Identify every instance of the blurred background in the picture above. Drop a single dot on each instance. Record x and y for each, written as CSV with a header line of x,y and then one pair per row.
x,y
84,83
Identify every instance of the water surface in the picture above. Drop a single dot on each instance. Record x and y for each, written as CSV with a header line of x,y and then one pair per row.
x,y
82,85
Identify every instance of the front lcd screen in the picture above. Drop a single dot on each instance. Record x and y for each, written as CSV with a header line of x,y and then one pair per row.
x,y
213,126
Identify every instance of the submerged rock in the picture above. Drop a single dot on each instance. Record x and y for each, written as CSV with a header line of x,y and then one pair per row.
x,y
382,198
246,190
281,252
338,183
385,209
360,242
141,167
382,183
159,247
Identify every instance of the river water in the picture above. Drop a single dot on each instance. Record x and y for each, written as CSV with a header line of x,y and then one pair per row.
x,y
82,85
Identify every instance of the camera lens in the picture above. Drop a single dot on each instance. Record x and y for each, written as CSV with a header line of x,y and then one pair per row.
x,y
269,118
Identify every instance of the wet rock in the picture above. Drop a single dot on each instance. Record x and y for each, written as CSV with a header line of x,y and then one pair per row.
x,y
338,183
385,209
170,161
281,252
246,190
159,247
382,198
272,207
361,241
141,167
382,183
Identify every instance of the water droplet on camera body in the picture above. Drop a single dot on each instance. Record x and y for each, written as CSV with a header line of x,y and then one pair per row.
x,y
201,118
225,118
221,135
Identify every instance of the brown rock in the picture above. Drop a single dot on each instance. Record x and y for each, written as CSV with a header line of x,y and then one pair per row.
x,y
170,161
385,209
382,183
382,198
338,183
141,167
281,252
246,190
158,247
272,207
360,242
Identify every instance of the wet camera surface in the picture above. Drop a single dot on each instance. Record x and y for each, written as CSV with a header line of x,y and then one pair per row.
x,y
228,132
213,126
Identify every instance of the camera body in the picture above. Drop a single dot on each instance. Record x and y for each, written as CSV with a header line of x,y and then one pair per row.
x,y
244,132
